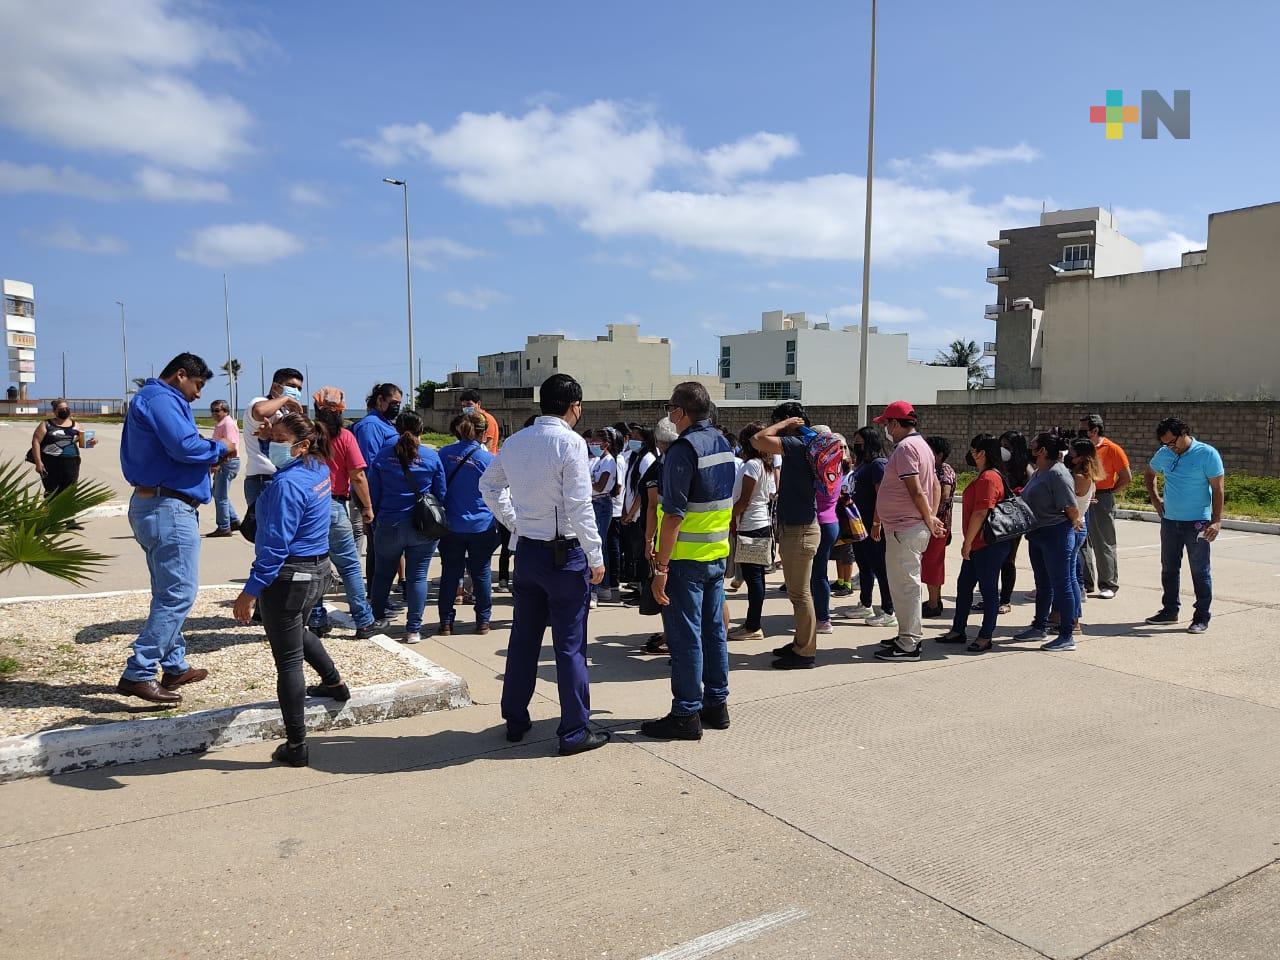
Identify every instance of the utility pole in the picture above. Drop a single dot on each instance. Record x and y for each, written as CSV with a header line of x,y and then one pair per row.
x,y
408,272
64,374
262,375
124,356
231,370
866,234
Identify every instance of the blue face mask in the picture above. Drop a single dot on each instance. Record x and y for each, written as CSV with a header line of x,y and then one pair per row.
x,y
292,392
634,446
280,454
595,449
469,410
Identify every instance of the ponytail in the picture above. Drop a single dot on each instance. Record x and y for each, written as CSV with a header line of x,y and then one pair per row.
x,y
409,425
301,427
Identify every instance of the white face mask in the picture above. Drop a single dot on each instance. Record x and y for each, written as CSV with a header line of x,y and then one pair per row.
x,y
1005,455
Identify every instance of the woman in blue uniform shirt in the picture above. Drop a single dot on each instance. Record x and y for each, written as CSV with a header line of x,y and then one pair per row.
x,y
473,532
397,474
290,573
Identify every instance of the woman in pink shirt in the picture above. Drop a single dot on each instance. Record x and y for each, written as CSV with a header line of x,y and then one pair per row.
x,y
828,531
225,429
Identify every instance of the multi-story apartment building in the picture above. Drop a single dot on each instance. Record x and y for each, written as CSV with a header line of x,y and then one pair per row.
x,y
20,335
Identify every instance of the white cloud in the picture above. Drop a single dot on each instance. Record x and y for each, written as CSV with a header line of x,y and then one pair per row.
x,y
882,314
429,253
477,298
113,77
229,244
1142,222
670,270
65,181
1167,251
959,293
307,196
526,226
155,184
953,161
753,154
604,258
65,236
600,165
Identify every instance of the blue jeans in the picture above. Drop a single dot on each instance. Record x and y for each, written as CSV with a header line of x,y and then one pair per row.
x,y
873,568
343,553
224,511
1175,537
819,583
391,541
253,487
981,569
474,553
1052,551
609,539
694,626
168,531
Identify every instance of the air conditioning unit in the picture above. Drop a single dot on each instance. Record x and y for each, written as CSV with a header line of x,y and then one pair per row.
x,y
1022,303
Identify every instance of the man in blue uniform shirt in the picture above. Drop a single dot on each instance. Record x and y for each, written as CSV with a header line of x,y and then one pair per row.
x,y
164,458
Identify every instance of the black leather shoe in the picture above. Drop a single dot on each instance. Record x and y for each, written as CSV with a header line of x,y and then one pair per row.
x,y
340,692
290,755
715,716
516,733
372,630
672,727
592,741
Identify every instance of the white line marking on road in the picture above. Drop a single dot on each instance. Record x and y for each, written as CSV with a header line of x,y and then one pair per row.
x,y
732,935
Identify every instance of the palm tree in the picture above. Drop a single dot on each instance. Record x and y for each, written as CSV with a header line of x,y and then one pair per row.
x,y
231,370
139,382
35,530
964,353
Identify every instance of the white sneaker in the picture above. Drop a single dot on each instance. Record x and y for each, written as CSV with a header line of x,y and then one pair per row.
x,y
411,638
1106,594
593,602
860,612
882,620
742,633
824,626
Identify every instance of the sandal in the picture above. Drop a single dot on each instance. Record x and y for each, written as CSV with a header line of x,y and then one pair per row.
x,y
979,646
951,636
656,644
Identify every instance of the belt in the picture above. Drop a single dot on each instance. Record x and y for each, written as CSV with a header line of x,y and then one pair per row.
x,y
147,492
319,557
571,542
342,499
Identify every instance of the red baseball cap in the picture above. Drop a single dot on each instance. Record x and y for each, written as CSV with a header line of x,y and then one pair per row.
x,y
898,410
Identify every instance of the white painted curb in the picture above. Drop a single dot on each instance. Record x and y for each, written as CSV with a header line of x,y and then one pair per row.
x,y
53,752
1249,526
106,510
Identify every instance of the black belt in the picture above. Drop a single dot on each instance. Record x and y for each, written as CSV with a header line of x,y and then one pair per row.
x,y
316,559
571,542
146,492
342,499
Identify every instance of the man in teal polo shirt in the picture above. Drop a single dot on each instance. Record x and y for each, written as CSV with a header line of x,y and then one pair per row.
x,y
1190,516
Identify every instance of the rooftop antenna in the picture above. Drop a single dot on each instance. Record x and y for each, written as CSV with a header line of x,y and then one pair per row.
x,y
1042,206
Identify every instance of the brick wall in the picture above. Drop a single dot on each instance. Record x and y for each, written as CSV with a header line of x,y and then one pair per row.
x,y
1243,431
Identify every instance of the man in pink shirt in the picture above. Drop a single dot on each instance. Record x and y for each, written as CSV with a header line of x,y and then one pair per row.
x,y
225,429
906,516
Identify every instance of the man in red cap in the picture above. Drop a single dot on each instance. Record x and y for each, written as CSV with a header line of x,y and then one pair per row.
x,y
906,516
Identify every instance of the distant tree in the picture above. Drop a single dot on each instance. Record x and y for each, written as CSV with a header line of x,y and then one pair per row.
x,y
967,354
139,382
231,370
425,395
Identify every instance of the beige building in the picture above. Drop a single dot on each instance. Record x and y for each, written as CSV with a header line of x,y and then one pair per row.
x,y
621,365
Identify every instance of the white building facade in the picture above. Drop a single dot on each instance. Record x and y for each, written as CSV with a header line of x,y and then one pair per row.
x,y
20,334
789,358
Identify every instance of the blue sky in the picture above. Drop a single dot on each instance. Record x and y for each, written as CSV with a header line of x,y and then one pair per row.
x,y
576,164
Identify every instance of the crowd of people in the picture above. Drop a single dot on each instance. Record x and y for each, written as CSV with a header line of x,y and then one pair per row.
x,y
675,514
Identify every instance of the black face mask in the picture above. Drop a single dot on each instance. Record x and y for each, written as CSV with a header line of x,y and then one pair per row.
x,y
62,413
392,411
968,458
1082,434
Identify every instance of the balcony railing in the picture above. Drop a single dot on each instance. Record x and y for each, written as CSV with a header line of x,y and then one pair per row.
x,y
992,310
997,274
989,349
1074,266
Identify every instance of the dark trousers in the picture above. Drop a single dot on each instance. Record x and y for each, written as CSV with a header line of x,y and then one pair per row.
x,y
1052,551
872,569
635,565
981,569
504,554
1008,573
753,574
1177,536
284,606
59,473
472,552
544,594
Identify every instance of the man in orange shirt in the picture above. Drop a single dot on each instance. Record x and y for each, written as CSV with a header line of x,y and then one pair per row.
x,y
469,401
1101,544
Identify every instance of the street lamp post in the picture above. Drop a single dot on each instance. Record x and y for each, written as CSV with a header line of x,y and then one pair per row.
x,y
124,355
231,369
866,234
410,387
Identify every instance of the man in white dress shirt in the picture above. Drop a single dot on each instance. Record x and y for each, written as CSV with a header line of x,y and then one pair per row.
x,y
539,488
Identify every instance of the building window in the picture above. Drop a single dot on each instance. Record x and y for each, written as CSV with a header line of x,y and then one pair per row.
x,y
725,363
790,371
1075,253
526,364
19,307
775,390
497,366
555,362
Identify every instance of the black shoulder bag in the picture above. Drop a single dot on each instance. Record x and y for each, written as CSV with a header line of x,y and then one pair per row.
x,y
1009,518
428,512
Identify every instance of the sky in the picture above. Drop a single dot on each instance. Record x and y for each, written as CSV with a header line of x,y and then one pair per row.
x,y
573,164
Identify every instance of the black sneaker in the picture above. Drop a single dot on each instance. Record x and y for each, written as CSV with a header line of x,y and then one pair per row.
x,y
672,727
1164,616
340,692
895,652
290,755
515,733
785,649
373,629
591,741
1198,626
715,716
793,661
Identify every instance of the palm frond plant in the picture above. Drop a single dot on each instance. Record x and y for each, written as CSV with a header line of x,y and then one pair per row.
x,y
35,530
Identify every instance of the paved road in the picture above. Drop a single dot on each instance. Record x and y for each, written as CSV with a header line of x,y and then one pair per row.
x,y
1119,802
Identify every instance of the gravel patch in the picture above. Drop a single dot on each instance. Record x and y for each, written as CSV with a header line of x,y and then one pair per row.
x,y
60,661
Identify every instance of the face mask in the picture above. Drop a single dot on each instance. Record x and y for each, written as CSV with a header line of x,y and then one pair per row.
x,y
469,410
392,411
280,454
1082,434
62,413
634,446
595,449
1005,455
968,458
292,393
